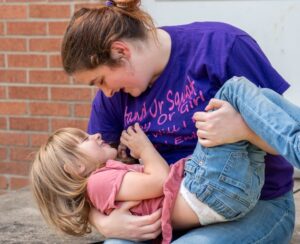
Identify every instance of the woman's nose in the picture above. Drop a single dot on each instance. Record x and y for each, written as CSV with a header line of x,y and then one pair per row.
x,y
107,92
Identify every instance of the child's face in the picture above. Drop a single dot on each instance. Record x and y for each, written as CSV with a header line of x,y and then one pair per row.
x,y
98,150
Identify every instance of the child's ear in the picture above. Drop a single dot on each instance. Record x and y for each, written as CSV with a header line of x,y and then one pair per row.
x,y
79,169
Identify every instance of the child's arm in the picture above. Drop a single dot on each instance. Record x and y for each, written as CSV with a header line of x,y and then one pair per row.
x,y
149,184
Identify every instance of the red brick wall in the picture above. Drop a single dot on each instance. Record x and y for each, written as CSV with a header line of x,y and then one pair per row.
x,y
36,97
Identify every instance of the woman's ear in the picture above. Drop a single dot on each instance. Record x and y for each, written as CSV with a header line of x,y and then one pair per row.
x,y
119,50
79,169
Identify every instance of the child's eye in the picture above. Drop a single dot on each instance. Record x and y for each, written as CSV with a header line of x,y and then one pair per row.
x,y
85,139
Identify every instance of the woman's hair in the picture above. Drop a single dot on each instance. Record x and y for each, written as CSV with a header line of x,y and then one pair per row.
x,y
91,32
61,195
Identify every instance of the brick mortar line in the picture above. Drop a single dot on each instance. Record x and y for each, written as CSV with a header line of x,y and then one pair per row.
x,y
27,76
40,53
32,69
73,103
73,2
16,176
32,36
28,37
64,117
50,117
5,60
36,19
23,132
13,84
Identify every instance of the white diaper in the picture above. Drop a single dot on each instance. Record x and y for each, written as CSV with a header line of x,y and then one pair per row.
x,y
205,214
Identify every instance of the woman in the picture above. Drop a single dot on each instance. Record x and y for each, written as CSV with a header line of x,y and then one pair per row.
x,y
160,78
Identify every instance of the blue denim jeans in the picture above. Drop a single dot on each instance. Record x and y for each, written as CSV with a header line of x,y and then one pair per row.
x,y
227,178
270,221
269,115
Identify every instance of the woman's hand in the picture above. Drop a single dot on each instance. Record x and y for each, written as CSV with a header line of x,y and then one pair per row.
x,y
123,225
220,126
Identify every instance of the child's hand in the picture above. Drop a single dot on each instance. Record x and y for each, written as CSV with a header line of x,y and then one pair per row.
x,y
122,151
136,140
123,157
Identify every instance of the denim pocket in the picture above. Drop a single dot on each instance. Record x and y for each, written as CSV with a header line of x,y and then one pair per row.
x,y
193,169
236,171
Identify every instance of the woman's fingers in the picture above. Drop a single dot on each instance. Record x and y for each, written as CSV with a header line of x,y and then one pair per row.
x,y
126,206
149,226
202,134
142,227
214,104
201,116
206,142
149,232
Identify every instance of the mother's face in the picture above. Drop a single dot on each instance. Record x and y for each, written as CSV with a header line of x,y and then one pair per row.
x,y
124,78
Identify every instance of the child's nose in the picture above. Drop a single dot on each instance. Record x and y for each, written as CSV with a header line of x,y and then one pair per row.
x,y
96,136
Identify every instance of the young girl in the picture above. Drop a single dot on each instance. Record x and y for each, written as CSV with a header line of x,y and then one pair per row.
x,y
73,170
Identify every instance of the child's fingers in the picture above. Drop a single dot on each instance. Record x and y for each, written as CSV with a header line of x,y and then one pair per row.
x,y
125,137
130,131
123,141
137,128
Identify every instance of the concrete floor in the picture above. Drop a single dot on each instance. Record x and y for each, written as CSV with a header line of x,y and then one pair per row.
x,y
296,236
21,222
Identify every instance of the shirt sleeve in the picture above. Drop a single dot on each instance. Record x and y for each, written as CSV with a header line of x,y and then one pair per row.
x,y
103,187
106,117
247,59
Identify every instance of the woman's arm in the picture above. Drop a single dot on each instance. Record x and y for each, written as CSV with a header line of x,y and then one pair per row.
x,y
149,184
136,228
225,125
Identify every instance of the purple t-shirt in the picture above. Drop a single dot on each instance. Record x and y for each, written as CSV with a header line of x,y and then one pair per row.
x,y
203,56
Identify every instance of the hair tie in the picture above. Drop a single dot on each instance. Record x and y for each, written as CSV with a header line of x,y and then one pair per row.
x,y
109,3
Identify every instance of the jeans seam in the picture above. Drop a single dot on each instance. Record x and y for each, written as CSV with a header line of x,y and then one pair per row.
x,y
262,121
271,231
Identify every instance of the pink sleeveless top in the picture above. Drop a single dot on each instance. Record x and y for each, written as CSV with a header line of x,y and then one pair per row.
x,y
104,184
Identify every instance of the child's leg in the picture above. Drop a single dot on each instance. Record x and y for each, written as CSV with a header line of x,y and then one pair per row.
x,y
226,178
287,106
273,123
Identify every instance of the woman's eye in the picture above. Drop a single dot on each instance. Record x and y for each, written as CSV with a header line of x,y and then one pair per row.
x,y
100,82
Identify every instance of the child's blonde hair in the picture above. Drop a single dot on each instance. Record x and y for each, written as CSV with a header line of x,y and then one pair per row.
x,y
61,195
